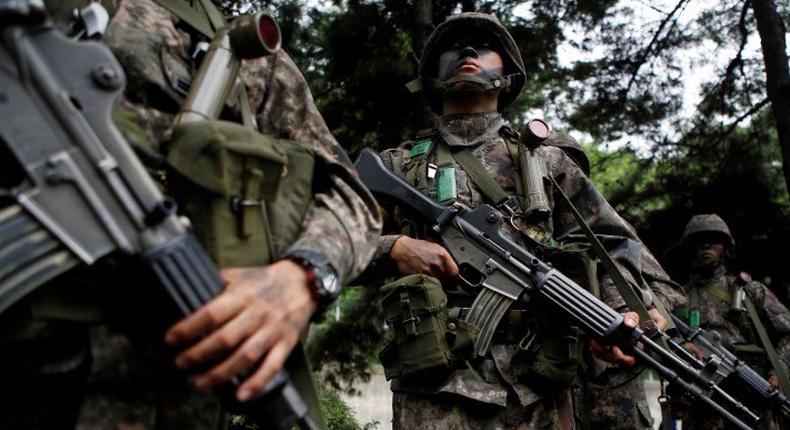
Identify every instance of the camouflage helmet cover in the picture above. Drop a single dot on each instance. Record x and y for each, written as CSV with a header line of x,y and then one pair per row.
x,y
466,23
707,223
572,147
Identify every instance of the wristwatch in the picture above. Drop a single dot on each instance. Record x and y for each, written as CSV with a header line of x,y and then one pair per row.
x,y
321,277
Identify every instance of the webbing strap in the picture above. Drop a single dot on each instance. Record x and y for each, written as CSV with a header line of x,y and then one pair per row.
x,y
512,148
214,15
718,293
189,14
487,184
773,357
626,290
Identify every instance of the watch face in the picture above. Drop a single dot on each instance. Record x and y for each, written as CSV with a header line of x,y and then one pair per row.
x,y
330,283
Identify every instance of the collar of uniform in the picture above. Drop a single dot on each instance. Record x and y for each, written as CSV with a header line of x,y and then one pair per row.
x,y
701,279
469,129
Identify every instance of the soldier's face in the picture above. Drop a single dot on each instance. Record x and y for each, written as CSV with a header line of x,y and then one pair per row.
x,y
708,251
470,56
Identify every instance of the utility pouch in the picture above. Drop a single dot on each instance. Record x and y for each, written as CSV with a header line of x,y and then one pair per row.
x,y
557,358
223,175
426,337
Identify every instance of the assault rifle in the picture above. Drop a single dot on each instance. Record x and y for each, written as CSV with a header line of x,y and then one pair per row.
x,y
503,272
724,366
75,192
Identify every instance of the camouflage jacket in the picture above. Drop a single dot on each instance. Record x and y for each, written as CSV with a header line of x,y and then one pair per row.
x,y
343,221
482,132
712,294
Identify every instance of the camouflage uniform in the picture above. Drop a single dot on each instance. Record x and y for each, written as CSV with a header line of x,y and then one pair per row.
x,y
614,396
494,392
712,291
131,383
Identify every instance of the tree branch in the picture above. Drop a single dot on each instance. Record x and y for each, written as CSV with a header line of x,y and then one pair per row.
x,y
645,53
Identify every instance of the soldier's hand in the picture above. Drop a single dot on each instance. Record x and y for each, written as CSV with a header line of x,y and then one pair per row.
x,y
614,354
420,256
694,350
774,381
655,315
257,318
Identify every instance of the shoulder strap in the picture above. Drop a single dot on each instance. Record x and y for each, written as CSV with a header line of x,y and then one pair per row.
x,y
773,357
200,20
480,176
626,290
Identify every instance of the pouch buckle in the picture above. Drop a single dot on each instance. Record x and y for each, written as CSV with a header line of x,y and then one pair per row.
x,y
527,343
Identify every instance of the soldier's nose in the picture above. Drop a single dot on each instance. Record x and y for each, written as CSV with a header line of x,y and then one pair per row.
x,y
469,51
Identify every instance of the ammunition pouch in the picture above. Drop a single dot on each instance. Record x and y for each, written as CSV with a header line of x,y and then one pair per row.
x,y
426,336
557,357
245,193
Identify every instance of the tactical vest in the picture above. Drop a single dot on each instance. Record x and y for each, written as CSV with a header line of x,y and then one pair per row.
x,y
428,322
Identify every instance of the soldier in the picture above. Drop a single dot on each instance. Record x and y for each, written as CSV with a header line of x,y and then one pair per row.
x,y
718,302
253,325
470,70
616,396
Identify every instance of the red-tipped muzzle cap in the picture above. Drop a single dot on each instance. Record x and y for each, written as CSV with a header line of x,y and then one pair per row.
x,y
254,36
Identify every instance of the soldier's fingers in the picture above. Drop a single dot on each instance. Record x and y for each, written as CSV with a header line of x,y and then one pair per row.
x,y
271,364
450,267
245,357
207,318
621,358
631,319
228,337
600,351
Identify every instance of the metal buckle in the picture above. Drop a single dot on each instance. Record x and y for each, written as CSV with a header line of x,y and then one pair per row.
x,y
527,343
237,204
509,206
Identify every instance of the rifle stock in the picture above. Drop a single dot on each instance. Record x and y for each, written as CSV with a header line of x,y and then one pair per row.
x,y
84,191
503,271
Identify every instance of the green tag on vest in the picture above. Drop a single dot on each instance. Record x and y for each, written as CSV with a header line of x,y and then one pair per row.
x,y
420,148
694,318
445,184
683,314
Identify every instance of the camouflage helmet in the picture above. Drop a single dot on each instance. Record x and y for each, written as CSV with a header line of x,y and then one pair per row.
x,y
465,23
707,223
571,147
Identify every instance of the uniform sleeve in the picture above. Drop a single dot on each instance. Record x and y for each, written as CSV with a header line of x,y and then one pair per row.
x,y
631,256
343,222
382,266
775,316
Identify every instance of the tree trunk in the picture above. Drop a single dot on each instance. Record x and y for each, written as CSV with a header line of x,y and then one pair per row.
x,y
423,26
772,38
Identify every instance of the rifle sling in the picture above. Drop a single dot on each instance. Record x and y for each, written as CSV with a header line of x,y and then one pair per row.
x,y
773,357
626,290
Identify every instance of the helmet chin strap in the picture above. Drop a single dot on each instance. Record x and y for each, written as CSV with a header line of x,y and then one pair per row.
x,y
482,82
